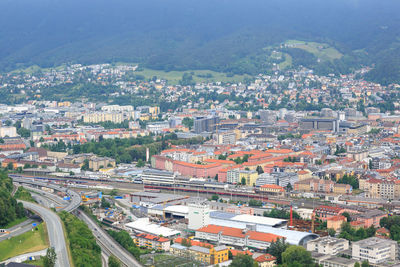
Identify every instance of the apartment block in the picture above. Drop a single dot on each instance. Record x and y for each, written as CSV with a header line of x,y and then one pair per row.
x,y
328,245
375,250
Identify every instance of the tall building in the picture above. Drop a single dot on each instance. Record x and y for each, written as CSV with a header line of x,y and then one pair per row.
x,y
199,215
316,123
267,116
158,177
202,124
226,138
278,178
8,131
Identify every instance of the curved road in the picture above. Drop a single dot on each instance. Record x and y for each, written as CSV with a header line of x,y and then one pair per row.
x,y
75,197
54,229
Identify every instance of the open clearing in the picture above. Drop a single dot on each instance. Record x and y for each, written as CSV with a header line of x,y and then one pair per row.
x,y
27,242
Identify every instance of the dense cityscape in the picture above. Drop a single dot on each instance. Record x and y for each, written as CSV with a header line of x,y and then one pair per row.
x,y
200,133
207,172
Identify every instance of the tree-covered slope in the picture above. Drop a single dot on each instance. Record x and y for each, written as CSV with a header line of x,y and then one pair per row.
x,y
10,210
223,35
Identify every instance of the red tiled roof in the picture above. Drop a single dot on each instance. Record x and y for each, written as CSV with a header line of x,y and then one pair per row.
x,y
152,237
265,258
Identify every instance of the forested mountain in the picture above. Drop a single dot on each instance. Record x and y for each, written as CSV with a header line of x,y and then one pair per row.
x,y
222,35
9,208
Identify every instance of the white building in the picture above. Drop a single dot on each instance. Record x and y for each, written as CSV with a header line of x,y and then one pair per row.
x,y
375,250
236,236
199,215
157,127
117,108
328,245
158,177
9,131
143,225
226,138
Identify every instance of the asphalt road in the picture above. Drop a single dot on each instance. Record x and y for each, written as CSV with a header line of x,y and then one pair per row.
x,y
108,242
75,197
19,229
55,231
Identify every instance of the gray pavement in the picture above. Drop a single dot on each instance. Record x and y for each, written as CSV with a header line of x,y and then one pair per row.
x,y
19,229
54,229
25,257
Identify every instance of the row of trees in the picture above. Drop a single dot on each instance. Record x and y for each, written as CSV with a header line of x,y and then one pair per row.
x,y
125,240
83,246
23,194
281,214
351,234
10,210
132,149
349,179
392,223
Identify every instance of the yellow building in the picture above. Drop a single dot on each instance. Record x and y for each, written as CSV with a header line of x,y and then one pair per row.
x,y
266,260
154,110
209,255
273,189
304,174
103,116
250,176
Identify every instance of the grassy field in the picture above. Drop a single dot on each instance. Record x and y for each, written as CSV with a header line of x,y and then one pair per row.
x,y
27,242
17,221
287,63
320,50
173,77
165,260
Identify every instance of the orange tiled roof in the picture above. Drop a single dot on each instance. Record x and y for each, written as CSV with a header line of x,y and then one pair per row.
x,y
236,252
236,232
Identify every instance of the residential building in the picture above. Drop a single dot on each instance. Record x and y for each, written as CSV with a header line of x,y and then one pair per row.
x,y
235,176
208,255
97,117
265,260
322,186
328,245
96,163
371,218
158,177
8,131
324,212
157,127
152,242
236,236
272,189
202,124
226,138
278,178
327,260
335,222
375,250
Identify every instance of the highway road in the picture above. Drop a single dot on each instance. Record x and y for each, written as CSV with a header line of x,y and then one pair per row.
x,y
108,243
75,197
20,228
54,229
